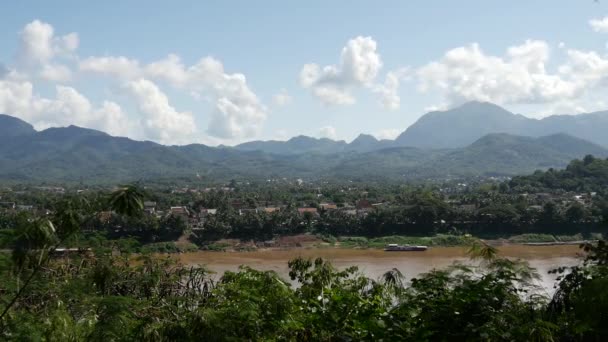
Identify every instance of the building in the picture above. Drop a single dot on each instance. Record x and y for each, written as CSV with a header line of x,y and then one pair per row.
x,y
180,212
205,212
305,210
328,206
150,207
248,211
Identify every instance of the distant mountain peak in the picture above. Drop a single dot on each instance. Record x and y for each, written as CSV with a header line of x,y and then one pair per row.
x,y
479,104
11,126
71,131
364,138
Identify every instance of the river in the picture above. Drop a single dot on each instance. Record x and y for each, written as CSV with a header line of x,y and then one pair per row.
x,y
373,262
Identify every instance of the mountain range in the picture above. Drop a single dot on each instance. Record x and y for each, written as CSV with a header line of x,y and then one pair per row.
x,y
452,128
476,139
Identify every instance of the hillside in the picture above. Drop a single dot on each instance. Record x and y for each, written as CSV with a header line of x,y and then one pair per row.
x,y
457,127
295,145
463,125
72,154
588,174
13,127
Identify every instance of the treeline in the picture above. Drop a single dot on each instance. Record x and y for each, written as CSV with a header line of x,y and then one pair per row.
x,y
587,175
105,297
105,294
426,216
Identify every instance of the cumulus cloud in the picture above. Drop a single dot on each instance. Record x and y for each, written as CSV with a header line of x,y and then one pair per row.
x,y
389,90
160,120
389,133
68,107
39,43
119,67
238,113
599,25
359,65
436,107
586,69
328,132
282,98
56,73
467,73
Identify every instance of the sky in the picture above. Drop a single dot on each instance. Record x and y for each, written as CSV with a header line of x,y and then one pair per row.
x,y
225,72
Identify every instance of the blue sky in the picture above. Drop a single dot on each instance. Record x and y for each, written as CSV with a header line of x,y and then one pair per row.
x,y
223,72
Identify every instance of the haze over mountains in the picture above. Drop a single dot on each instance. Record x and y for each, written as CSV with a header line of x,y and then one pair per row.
x,y
476,139
457,127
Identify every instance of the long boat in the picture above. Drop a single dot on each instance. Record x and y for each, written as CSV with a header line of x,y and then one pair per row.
x,y
393,247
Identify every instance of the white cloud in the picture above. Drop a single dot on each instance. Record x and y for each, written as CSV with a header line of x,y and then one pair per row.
x,y
170,69
69,107
330,95
56,73
238,113
160,120
389,133
39,43
328,132
599,25
586,69
389,91
434,108
467,73
359,65
282,98
119,67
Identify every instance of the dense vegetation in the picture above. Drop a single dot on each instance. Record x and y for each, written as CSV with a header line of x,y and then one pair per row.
x,y
106,295
524,207
587,175
73,154
102,292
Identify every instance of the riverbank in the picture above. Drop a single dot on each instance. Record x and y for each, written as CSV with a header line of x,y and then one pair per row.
x,y
375,262
309,241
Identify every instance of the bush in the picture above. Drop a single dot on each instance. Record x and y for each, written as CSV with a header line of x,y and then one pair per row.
x,y
524,238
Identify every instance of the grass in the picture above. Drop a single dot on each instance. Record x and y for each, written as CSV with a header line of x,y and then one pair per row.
x,y
526,238
437,240
169,247
216,246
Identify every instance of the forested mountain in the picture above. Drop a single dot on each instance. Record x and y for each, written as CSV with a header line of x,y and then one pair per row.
x,y
295,145
12,127
457,127
587,175
463,125
71,154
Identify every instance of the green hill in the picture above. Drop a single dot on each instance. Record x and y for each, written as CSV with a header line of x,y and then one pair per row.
x,y
72,154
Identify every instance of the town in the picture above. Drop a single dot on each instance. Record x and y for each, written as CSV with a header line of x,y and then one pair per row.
x,y
259,215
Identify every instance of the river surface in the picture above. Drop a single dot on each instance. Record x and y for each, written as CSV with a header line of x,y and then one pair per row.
x,y
373,262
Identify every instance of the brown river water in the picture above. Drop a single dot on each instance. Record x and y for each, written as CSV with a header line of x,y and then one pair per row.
x,y
374,262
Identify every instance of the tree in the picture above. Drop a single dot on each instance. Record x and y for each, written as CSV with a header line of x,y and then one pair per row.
x,y
576,213
128,200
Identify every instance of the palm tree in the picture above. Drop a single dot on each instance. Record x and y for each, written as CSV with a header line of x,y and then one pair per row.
x,y
128,200
41,235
